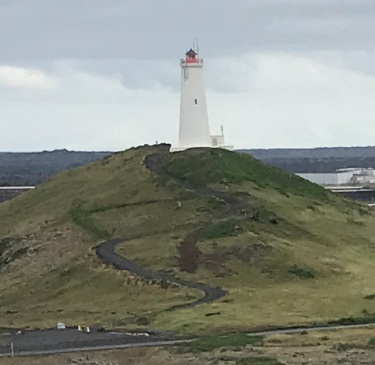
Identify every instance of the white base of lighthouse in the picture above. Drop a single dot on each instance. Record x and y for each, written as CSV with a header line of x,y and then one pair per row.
x,y
194,127
217,141
178,149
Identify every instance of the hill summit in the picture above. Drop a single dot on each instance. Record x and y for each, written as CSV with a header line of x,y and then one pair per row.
x,y
197,241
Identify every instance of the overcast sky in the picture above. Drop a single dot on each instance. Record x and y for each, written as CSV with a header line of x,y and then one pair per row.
x,y
104,74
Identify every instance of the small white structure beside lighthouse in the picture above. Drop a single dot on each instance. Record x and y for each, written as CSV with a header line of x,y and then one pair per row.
x,y
194,127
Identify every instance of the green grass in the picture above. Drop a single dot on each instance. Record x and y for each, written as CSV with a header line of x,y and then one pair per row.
x,y
206,344
314,265
258,361
214,166
371,343
366,317
225,228
84,219
70,295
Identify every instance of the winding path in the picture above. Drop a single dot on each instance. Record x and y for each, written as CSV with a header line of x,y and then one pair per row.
x,y
106,251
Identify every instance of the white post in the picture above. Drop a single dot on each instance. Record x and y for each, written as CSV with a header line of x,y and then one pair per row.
x,y
12,349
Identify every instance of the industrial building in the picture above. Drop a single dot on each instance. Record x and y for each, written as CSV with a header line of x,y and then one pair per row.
x,y
348,176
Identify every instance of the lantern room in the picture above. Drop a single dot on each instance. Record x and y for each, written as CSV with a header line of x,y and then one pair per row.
x,y
191,56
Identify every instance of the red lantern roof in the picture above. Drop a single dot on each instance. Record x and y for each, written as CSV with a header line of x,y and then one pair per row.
x,y
191,56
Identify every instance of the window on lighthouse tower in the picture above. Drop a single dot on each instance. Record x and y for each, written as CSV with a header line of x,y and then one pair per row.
x,y
196,101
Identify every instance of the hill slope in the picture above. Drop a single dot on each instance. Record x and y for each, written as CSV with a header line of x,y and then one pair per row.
x,y
286,251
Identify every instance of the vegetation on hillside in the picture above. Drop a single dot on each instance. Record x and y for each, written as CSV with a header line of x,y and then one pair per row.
x,y
287,251
218,166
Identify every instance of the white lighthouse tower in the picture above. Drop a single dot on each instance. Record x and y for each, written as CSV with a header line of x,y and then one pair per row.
x,y
194,127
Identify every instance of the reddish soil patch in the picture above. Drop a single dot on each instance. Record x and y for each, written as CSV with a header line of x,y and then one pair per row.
x,y
216,262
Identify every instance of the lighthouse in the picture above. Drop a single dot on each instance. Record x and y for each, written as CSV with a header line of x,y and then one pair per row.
x,y
194,126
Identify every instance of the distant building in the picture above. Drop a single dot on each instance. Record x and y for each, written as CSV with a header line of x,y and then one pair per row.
x,y
365,176
348,176
10,192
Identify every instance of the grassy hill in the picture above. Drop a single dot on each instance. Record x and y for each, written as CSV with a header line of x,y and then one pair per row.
x,y
287,251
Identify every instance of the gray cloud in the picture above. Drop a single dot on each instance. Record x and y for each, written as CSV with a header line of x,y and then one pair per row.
x,y
104,74
148,29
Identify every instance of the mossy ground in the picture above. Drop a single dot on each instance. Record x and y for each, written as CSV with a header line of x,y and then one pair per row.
x,y
300,255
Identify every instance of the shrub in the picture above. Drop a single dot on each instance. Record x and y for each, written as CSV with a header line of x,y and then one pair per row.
x,y
189,254
301,273
143,321
220,229
371,343
366,318
258,361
